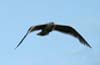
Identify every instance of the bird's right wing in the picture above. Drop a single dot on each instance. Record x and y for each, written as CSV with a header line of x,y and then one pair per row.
x,y
73,32
31,29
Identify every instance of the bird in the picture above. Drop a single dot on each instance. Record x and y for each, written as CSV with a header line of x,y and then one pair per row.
x,y
51,26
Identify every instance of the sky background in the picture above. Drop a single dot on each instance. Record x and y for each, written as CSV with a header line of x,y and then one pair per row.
x,y
16,16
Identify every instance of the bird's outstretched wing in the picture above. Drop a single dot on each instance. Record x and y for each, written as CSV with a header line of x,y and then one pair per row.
x,y
31,29
73,32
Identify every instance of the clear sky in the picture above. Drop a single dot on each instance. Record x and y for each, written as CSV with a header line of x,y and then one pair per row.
x,y
16,16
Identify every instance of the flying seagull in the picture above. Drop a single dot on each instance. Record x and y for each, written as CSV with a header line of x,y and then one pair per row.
x,y
49,27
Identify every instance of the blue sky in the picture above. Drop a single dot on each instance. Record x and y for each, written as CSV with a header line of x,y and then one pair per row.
x,y
16,16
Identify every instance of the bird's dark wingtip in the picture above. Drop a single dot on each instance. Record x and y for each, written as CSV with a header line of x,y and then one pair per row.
x,y
88,45
21,40
83,41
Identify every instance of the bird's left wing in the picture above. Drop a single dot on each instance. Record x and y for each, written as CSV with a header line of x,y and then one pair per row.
x,y
71,31
31,29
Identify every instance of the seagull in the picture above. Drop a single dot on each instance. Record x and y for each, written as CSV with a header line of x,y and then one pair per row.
x,y
51,26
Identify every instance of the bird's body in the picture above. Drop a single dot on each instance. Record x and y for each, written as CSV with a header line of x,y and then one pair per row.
x,y
49,27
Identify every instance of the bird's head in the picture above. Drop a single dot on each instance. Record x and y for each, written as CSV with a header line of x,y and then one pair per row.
x,y
50,23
